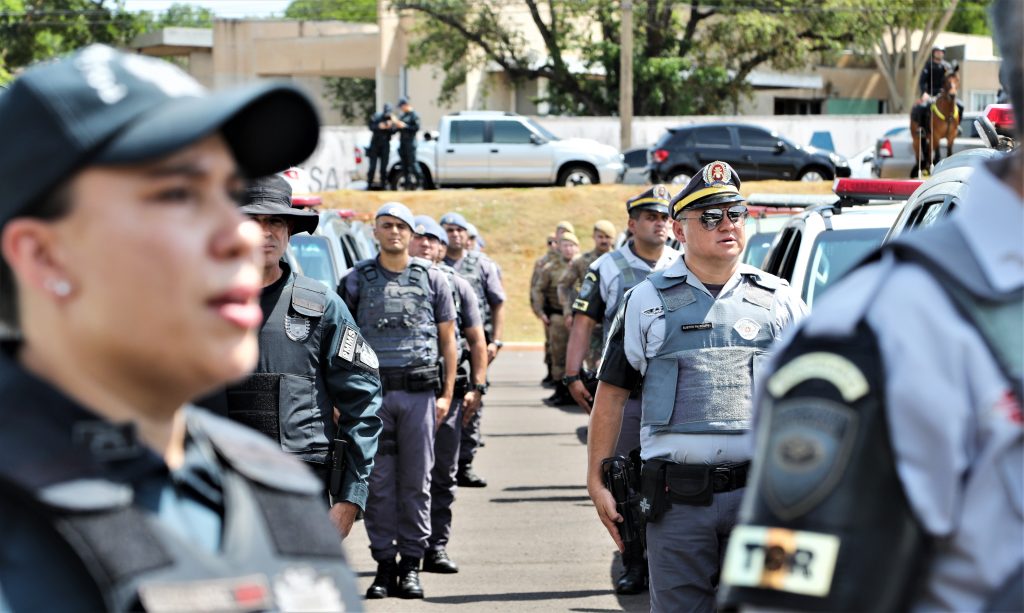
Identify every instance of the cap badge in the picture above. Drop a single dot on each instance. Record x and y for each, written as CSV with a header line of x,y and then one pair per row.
x,y
421,229
660,191
394,212
717,173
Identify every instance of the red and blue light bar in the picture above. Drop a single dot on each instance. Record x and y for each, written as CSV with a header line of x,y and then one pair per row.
x,y
875,189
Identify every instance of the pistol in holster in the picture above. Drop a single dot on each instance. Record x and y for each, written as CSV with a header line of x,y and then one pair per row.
x,y
337,459
620,479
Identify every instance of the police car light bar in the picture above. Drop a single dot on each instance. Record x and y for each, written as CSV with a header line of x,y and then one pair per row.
x,y
306,200
1001,116
791,200
862,190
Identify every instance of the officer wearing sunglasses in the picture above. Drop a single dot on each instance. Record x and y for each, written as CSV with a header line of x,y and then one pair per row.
x,y
694,337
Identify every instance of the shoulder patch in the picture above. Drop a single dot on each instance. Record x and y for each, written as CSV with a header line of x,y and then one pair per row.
x,y
349,337
832,368
356,352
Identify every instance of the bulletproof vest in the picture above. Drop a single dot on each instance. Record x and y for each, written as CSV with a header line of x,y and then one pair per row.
x,y
470,269
450,274
379,138
286,397
824,479
826,442
628,278
276,553
397,316
702,378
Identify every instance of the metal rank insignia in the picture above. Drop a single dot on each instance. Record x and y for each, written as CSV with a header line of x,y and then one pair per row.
x,y
660,191
717,173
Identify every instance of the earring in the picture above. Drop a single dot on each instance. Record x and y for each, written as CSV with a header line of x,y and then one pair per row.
x,y
59,287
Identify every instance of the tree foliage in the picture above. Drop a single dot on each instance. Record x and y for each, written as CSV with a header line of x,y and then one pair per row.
x,y
354,98
178,15
689,57
971,17
33,30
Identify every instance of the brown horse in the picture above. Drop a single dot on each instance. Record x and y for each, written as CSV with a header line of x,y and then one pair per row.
x,y
942,118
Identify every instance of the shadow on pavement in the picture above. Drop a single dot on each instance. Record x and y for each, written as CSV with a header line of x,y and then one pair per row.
x,y
534,488
544,499
516,596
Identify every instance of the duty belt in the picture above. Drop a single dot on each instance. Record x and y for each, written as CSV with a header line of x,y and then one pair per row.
x,y
692,484
410,380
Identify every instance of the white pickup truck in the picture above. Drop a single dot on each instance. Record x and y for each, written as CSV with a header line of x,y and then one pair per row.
x,y
499,148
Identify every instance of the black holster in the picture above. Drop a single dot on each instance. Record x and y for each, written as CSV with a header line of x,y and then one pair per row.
x,y
620,479
337,460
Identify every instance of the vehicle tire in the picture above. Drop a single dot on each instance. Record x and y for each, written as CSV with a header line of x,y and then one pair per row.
x,y
679,176
576,175
395,180
814,173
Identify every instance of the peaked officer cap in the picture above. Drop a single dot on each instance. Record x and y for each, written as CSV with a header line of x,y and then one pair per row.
x,y
716,183
272,195
654,199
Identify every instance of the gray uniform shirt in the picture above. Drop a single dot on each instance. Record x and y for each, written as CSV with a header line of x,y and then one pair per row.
x,y
642,335
956,427
599,296
469,312
494,293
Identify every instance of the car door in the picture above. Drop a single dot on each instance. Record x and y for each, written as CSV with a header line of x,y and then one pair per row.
x,y
518,155
464,157
715,143
760,154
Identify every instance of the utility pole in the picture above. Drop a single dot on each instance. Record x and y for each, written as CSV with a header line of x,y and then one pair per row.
x,y
626,76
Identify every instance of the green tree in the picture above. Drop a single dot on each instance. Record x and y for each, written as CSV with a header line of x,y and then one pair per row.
x,y
33,30
354,98
179,15
971,17
689,57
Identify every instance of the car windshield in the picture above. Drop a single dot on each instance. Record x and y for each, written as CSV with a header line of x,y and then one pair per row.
x,y
541,129
314,255
834,254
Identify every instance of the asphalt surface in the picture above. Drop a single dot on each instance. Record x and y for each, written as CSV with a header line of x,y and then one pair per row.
x,y
530,540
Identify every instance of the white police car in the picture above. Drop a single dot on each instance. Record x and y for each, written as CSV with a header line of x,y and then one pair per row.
x,y
818,246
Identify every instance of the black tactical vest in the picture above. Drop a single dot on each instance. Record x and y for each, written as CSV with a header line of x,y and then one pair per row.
x,y
470,267
278,550
286,398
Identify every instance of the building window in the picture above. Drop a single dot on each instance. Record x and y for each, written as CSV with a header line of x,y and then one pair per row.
x,y
980,99
797,106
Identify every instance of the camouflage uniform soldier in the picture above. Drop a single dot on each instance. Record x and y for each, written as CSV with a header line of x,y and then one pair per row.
x,y
569,285
538,266
548,307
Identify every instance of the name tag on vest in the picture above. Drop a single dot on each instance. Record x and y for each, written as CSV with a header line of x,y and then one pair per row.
x,y
707,325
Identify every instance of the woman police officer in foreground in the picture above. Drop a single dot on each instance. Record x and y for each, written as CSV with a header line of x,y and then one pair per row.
x,y
134,280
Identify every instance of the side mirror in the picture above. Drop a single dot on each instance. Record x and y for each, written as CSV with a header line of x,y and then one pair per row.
x,y
537,140
427,136
780,146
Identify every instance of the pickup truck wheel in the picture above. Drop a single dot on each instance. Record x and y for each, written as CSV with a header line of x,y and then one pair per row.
x,y
396,181
576,175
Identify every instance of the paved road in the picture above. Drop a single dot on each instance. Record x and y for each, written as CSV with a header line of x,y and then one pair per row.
x,y
530,540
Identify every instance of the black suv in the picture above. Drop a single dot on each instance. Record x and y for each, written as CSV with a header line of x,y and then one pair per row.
x,y
755,153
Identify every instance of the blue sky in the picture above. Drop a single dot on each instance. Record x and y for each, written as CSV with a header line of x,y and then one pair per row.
x,y
222,8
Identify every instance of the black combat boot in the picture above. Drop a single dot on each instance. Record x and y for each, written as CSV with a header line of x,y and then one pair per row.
x,y
561,397
437,561
465,477
409,578
386,582
634,580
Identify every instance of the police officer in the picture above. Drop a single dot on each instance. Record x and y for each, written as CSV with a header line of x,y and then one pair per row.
x,y
483,274
404,307
692,336
382,126
931,80
569,285
604,285
549,310
890,445
408,124
134,281
311,353
429,243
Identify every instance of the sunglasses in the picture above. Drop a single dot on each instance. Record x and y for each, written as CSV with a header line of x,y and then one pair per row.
x,y
710,219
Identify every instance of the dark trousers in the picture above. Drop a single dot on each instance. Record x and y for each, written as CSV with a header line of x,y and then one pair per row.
x,y
442,478
407,153
382,154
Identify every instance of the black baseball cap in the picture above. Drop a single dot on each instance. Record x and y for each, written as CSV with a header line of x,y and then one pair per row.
x,y
272,195
99,106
